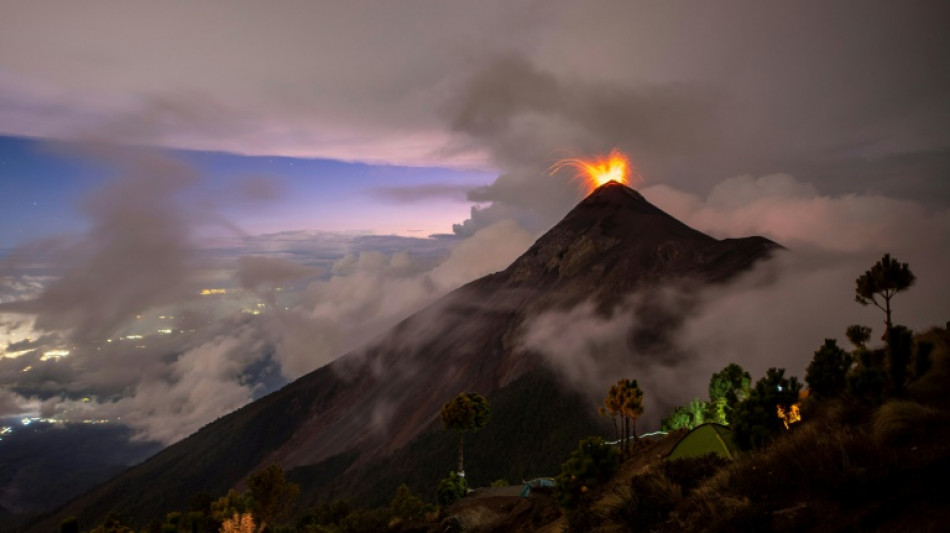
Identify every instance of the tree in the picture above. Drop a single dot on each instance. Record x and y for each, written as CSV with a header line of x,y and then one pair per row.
x,y
624,401
230,504
826,374
727,388
755,420
271,494
885,279
466,413
686,416
858,335
451,489
406,505
592,463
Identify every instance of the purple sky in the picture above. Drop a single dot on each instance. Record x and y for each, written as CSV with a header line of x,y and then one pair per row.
x,y
150,149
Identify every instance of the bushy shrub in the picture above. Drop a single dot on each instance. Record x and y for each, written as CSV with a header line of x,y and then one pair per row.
x,y
592,463
690,472
686,416
451,489
826,372
652,497
901,422
406,505
324,514
371,521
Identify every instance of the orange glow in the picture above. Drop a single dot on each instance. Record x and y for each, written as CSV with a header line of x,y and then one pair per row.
x,y
600,169
793,415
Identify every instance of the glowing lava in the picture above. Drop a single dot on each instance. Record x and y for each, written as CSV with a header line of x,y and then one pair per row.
x,y
599,170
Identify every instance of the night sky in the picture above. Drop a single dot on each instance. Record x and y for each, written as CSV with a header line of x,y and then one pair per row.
x,y
369,157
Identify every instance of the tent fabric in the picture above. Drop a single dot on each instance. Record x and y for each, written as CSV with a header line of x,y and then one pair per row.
x,y
705,439
536,483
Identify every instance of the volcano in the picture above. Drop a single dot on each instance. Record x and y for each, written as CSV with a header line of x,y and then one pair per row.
x,y
370,418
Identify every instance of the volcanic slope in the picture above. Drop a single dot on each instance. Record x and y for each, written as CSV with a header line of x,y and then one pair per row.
x,y
370,403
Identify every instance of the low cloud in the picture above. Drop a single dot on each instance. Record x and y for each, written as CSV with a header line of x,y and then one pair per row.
x,y
371,291
421,193
258,271
792,212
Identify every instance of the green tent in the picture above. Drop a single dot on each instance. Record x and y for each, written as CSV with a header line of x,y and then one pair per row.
x,y
705,439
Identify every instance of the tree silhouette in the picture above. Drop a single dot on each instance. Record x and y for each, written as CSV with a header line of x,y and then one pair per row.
x,y
755,419
885,279
826,374
467,412
858,335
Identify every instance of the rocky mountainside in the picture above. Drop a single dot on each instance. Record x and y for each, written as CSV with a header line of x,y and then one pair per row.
x,y
377,400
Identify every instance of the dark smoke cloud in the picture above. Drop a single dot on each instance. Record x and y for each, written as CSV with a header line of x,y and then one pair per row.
x,y
526,117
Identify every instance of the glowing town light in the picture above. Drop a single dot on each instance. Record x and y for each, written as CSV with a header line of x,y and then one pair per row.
x,y
210,292
54,354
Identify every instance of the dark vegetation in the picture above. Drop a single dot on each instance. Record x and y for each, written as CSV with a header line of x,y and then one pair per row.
x,y
861,451
727,388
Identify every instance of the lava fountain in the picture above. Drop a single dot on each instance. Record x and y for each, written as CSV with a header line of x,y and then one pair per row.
x,y
600,169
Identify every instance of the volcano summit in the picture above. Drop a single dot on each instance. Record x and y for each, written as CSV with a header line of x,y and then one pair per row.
x,y
370,418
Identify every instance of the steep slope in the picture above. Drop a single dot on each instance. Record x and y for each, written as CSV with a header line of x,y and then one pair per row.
x,y
372,402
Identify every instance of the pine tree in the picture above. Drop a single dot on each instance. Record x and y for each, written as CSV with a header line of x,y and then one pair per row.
x,y
468,412
828,369
624,401
885,279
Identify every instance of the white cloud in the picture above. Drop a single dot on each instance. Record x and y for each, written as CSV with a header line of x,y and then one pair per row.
x,y
371,291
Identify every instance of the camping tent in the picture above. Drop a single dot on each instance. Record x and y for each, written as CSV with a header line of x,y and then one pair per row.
x,y
536,483
705,439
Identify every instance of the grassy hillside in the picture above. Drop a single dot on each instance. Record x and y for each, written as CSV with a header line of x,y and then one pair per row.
x,y
847,467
